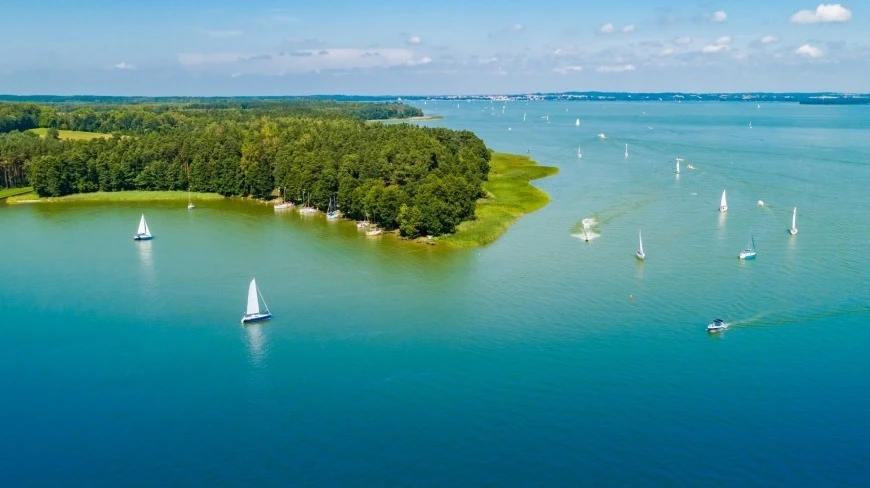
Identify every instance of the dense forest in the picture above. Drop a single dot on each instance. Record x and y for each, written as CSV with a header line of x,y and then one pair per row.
x,y
419,180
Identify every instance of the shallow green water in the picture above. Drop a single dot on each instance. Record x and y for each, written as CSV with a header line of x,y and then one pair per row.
x,y
519,363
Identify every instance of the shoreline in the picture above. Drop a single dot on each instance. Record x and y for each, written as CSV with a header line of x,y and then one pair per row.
x,y
114,196
510,195
424,118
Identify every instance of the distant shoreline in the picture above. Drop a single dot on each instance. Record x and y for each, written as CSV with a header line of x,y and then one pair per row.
x,y
424,118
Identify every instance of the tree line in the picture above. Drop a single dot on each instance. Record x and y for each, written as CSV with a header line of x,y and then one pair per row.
x,y
419,180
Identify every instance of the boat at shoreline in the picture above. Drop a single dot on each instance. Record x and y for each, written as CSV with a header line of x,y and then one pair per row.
x,y
307,209
252,312
190,205
332,212
284,205
717,325
143,233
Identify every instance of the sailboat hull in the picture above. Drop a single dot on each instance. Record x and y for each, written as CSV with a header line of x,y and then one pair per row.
x,y
746,255
256,317
792,231
640,255
140,237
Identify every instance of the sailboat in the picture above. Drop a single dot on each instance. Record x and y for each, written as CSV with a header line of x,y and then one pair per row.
x,y
678,166
307,208
579,154
793,230
190,205
626,150
749,252
332,211
723,205
284,203
253,314
374,230
577,123
750,124
143,233
639,253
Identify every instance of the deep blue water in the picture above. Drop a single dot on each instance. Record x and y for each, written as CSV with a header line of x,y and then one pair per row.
x,y
522,363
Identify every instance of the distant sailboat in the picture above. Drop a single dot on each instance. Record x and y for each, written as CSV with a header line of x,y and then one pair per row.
x,y
749,252
190,205
579,154
577,123
639,253
601,135
626,150
793,230
750,124
524,117
253,314
143,233
723,204
678,166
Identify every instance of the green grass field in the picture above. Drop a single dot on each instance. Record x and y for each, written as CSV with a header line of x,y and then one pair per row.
x,y
116,196
72,135
509,196
11,192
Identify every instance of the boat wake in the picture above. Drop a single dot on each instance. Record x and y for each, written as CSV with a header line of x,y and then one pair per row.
x,y
583,229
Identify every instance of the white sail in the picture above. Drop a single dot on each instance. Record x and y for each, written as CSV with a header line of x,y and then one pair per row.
x,y
626,150
141,229
253,301
577,122
723,204
678,165
794,219
640,243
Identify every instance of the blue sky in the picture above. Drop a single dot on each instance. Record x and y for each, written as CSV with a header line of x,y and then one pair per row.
x,y
261,47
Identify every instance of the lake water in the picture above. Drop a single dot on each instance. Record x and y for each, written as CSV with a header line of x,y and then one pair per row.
x,y
522,363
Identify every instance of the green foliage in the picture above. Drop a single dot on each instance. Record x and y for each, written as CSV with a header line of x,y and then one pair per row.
x,y
374,170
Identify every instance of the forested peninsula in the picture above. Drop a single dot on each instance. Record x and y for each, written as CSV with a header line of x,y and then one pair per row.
x,y
420,181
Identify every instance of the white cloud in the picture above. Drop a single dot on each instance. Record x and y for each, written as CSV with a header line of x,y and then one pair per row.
x,y
666,52
714,48
719,16
682,41
615,69
825,12
517,28
568,69
607,29
222,34
809,51
628,28
125,66
414,40
769,39
723,40
235,75
418,62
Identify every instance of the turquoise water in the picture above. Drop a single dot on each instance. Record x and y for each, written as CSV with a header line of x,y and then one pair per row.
x,y
521,363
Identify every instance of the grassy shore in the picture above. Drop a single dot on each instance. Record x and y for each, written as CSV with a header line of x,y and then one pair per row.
x,y
72,135
424,118
11,192
509,196
116,196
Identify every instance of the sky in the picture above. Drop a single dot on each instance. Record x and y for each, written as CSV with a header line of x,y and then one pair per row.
x,y
419,47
